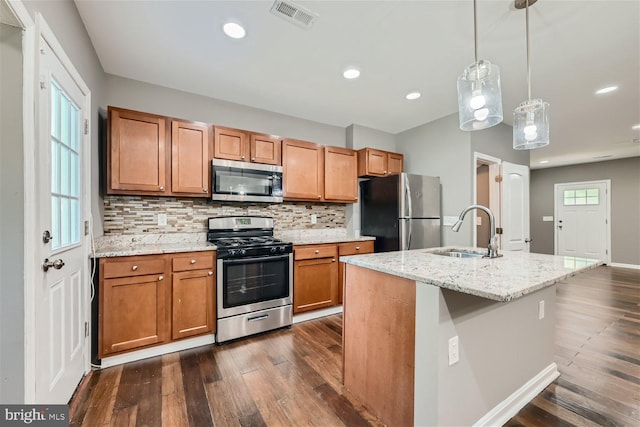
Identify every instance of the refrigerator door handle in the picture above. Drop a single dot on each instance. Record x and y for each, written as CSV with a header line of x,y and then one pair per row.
x,y
407,197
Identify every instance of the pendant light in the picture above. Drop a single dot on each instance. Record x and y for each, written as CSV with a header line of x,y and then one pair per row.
x,y
479,95
531,117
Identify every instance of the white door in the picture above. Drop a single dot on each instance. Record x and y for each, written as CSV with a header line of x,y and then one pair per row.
x,y
515,207
60,295
581,220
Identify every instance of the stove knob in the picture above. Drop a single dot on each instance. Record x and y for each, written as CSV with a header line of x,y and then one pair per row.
x,y
232,252
274,249
242,251
282,249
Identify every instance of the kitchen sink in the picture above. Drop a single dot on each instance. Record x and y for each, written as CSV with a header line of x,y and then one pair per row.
x,y
460,253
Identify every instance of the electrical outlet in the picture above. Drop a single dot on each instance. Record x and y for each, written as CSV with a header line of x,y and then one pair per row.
x,y
162,219
454,350
541,310
478,220
314,219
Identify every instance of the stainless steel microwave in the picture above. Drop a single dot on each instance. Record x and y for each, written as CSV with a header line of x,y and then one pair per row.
x,y
245,182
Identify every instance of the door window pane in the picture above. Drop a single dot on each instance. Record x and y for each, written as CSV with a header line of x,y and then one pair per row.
x,y
65,169
589,196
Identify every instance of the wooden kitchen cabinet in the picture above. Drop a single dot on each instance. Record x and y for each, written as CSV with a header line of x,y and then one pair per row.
x,y
315,277
340,175
350,248
138,160
372,162
303,171
244,146
193,294
190,148
134,303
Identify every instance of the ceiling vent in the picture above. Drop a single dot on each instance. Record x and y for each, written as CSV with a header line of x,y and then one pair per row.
x,y
296,14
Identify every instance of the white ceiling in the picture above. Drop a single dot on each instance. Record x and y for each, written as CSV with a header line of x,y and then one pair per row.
x,y
577,47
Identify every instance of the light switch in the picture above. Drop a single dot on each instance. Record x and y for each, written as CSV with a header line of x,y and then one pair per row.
x,y
449,220
547,218
314,219
162,219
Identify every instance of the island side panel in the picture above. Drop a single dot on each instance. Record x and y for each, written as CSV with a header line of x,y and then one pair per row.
x,y
379,342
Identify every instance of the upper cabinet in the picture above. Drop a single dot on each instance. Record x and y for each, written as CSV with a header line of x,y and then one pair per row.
x,y
190,150
244,146
303,173
372,162
340,175
137,157
153,155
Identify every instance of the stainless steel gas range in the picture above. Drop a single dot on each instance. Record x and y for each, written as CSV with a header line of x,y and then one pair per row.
x,y
255,276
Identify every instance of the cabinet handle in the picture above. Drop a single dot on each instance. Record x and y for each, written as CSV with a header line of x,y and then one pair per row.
x,y
161,188
134,268
317,251
211,273
161,278
357,248
333,260
193,261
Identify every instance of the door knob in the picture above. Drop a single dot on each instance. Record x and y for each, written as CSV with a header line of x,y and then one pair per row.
x,y
528,240
46,236
57,264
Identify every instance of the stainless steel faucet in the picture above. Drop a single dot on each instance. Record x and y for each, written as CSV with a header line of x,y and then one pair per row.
x,y
493,241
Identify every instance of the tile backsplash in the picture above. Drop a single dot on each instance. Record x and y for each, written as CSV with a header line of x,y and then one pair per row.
x,y
139,215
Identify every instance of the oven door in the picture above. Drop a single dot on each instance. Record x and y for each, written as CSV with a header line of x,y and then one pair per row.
x,y
256,283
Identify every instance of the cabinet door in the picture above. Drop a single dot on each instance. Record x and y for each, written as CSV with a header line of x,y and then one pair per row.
x,y
351,248
340,175
302,170
137,155
315,284
372,162
230,144
189,158
133,313
395,163
266,149
193,303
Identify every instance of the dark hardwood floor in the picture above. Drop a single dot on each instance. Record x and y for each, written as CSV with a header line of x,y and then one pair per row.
x,y
293,377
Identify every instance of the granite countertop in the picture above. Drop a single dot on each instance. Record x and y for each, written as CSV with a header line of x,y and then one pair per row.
x,y
511,276
150,244
315,236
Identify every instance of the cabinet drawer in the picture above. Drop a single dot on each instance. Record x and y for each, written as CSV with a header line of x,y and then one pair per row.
x,y
315,251
193,261
355,248
133,266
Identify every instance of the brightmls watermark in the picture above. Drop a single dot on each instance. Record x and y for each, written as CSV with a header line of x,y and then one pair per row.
x,y
37,415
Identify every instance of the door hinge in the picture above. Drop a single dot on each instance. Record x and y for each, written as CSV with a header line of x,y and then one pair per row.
x,y
499,230
43,85
606,251
86,329
86,228
86,126
498,178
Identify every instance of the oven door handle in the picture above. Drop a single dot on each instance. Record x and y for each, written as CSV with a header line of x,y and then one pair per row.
x,y
258,258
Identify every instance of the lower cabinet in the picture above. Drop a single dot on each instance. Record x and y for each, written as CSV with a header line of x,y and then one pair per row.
x,y
351,248
315,277
153,299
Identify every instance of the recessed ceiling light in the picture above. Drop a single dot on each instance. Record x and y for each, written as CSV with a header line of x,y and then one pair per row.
x,y
234,30
413,95
636,127
542,162
607,89
351,73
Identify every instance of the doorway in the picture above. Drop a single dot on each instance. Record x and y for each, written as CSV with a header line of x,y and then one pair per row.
x,y
486,192
582,219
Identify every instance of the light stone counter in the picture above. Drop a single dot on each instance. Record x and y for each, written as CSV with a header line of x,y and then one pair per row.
x,y
149,244
315,236
511,276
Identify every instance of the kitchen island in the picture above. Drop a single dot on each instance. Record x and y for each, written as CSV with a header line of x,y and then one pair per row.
x,y
436,340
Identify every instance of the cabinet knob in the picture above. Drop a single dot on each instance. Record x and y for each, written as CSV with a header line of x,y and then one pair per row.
x,y
204,190
193,261
333,260
161,188
242,157
134,268
357,248
319,196
161,278
385,172
253,159
317,251
211,273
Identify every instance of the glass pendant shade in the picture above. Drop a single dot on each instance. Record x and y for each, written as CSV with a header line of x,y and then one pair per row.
x,y
531,125
479,96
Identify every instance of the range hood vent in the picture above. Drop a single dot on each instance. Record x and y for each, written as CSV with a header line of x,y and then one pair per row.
x,y
296,14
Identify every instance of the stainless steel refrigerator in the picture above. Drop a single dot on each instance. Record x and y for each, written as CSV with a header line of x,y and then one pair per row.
x,y
401,211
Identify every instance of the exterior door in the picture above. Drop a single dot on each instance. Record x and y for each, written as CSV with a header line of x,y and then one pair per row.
x,y
61,292
581,220
515,207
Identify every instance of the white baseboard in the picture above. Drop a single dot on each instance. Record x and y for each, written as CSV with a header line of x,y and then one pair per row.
x,y
621,265
509,407
316,314
157,351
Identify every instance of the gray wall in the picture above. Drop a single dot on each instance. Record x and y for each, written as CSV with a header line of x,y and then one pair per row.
x,y
11,218
625,204
497,141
